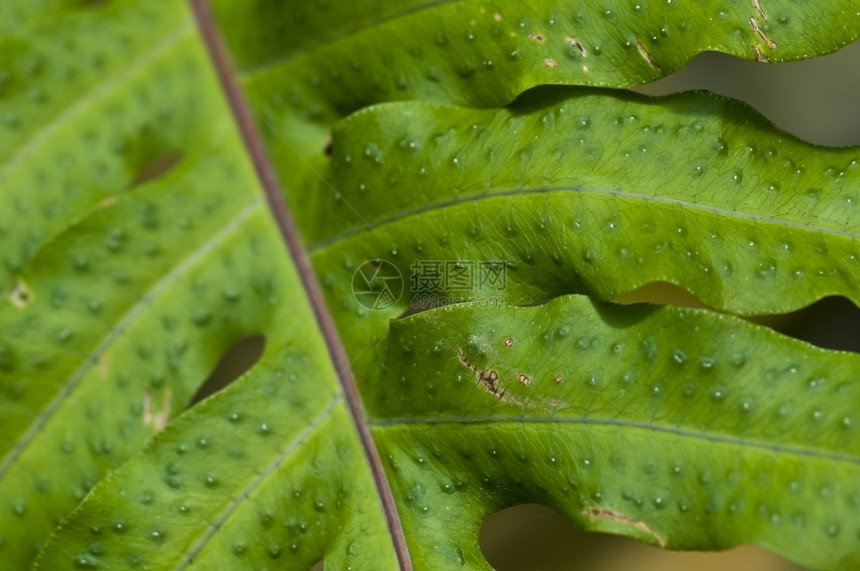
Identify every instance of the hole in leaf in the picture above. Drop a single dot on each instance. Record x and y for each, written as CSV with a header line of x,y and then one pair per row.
x,y
814,99
831,323
157,168
531,536
237,360
660,293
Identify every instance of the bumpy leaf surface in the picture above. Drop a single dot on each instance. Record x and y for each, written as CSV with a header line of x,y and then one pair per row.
x,y
137,246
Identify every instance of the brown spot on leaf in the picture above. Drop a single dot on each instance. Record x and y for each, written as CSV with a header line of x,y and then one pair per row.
x,y
576,44
647,56
760,10
21,295
761,34
509,342
158,418
104,361
537,38
603,513
487,379
758,55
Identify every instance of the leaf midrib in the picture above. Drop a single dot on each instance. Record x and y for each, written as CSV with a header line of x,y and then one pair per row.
x,y
489,194
296,250
620,423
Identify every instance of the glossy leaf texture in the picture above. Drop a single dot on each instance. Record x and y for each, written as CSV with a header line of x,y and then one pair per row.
x,y
136,247
682,428
578,191
307,67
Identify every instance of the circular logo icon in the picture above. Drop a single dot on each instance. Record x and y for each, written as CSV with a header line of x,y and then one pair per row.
x,y
377,284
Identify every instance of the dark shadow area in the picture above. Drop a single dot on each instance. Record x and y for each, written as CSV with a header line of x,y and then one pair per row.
x,y
543,97
815,99
620,317
530,537
233,364
831,323
157,168
318,566
660,293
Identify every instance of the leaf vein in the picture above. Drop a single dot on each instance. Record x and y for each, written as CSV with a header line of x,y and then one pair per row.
x,y
676,430
92,97
375,225
107,341
289,56
215,526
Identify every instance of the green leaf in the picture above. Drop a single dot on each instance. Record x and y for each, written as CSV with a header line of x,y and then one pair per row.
x,y
350,54
631,420
569,189
305,68
267,472
141,236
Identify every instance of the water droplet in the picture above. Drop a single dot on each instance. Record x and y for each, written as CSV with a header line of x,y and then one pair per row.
x,y
374,153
